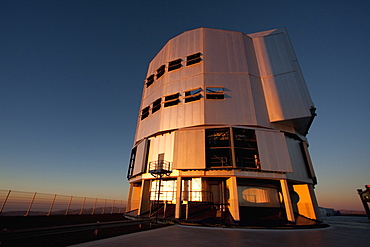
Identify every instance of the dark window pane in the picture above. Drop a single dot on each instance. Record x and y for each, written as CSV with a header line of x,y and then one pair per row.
x,y
246,158
246,151
175,64
218,137
245,138
149,80
215,93
219,157
171,100
156,105
193,59
145,113
131,163
172,96
193,98
193,95
215,96
218,151
160,71
171,103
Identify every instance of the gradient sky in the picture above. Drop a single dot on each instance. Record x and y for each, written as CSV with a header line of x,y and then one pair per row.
x,y
71,77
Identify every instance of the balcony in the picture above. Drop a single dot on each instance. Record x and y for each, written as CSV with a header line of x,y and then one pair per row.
x,y
160,168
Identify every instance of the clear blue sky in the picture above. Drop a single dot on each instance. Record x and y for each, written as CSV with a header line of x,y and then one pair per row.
x,y
71,76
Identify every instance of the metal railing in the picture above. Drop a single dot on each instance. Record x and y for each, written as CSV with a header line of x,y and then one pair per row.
x,y
20,203
160,167
192,196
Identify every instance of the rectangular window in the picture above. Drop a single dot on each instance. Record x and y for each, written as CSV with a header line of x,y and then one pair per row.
x,y
160,71
218,149
149,80
193,59
246,151
145,112
171,100
175,64
131,163
215,93
193,95
156,105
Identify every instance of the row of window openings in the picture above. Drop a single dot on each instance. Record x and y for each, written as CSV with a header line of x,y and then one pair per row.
x,y
173,65
190,96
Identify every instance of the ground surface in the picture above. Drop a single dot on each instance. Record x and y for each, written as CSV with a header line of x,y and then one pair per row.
x,y
344,231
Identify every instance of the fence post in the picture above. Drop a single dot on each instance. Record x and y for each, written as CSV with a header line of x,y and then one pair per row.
x,y
30,206
111,211
82,207
105,203
52,205
119,210
93,210
3,205
69,204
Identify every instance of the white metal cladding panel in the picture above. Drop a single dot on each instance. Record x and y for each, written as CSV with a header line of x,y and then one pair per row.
x,y
273,151
189,149
298,162
173,117
223,52
153,92
184,72
179,47
251,59
186,44
161,144
148,126
160,59
272,98
237,107
279,53
140,158
306,97
284,98
259,102
274,53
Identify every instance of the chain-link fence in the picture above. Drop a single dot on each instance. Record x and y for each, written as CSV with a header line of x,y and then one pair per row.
x,y
20,203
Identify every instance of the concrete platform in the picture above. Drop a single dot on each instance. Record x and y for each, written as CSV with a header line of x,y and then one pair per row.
x,y
344,231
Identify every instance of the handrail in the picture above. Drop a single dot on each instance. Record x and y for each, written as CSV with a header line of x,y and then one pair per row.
x,y
160,167
191,196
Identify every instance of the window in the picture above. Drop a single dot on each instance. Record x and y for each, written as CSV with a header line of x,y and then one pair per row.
x,y
149,80
219,152
193,95
156,105
145,113
171,100
160,71
218,149
215,93
246,151
175,64
251,196
193,59
131,163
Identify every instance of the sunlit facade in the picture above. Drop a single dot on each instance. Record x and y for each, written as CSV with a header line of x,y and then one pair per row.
x,y
223,120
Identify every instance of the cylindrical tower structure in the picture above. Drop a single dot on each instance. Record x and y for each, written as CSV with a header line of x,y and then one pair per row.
x,y
224,116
